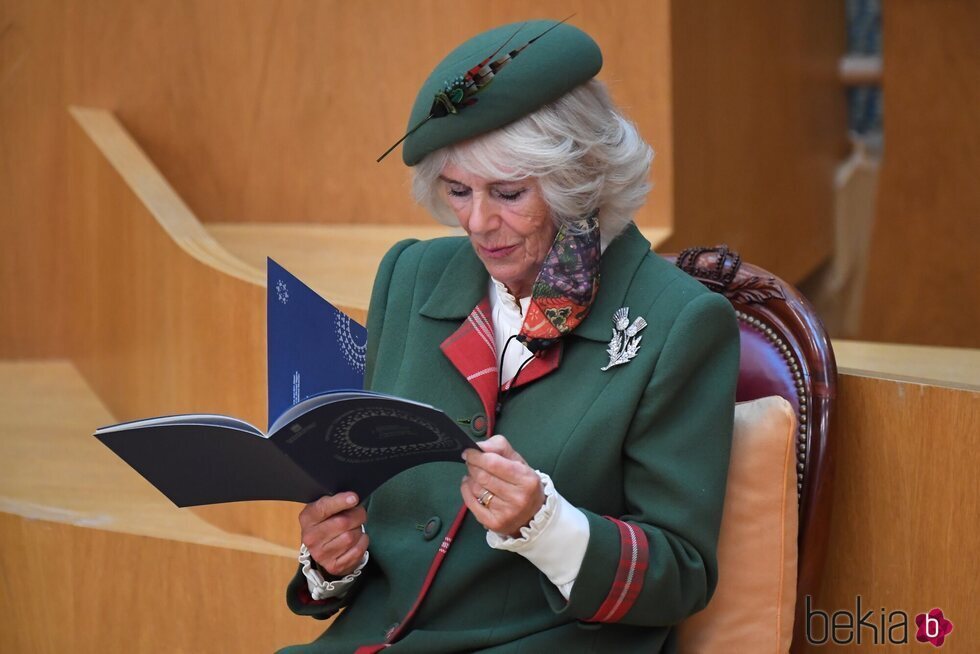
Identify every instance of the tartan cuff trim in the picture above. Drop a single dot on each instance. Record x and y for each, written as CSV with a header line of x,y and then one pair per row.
x,y
634,557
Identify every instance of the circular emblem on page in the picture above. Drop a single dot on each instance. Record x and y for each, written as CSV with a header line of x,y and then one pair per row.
x,y
355,354
377,434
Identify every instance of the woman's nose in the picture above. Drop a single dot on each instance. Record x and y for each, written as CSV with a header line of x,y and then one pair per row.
x,y
483,214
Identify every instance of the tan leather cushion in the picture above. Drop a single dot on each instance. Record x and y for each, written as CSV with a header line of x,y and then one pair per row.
x,y
752,608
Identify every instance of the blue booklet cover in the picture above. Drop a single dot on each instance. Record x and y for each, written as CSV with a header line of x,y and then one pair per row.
x,y
313,347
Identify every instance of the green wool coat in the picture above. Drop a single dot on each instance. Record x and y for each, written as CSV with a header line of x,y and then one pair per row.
x,y
646,443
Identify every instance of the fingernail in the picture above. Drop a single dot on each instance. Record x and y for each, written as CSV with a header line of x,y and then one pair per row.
x,y
464,454
352,499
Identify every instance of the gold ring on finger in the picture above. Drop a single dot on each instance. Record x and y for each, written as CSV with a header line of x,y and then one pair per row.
x,y
485,498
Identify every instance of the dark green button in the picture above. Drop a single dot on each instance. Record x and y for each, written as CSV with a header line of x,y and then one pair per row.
x,y
432,528
478,425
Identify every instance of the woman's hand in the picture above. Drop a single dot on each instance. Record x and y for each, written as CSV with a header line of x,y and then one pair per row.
x,y
516,489
332,531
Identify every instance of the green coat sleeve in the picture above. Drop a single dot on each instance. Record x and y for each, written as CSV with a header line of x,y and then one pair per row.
x,y
298,596
676,462
300,602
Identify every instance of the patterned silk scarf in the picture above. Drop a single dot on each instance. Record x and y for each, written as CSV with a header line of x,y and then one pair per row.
x,y
564,290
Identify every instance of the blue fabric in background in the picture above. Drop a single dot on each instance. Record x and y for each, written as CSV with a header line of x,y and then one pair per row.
x,y
864,37
313,347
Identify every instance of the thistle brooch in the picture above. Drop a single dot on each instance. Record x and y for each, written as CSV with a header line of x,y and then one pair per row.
x,y
625,342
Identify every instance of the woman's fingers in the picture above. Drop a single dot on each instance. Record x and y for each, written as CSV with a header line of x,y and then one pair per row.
x,y
333,531
497,444
476,490
348,560
335,551
516,487
325,507
481,479
471,502
335,526
502,513
484,465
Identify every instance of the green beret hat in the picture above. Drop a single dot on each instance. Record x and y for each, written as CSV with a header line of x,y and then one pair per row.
x,y
557,58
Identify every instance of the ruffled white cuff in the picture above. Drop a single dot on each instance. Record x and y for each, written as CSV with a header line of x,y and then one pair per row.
x,y
320,588
554,541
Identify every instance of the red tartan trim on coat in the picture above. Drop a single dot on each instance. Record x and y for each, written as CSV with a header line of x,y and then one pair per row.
x,y
371,649
634,557
396,631
472,351
306,599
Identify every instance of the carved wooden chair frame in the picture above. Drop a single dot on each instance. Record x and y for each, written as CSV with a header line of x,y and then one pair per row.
x,y
770,308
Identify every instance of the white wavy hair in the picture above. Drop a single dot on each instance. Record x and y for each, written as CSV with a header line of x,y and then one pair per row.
x,y
583,152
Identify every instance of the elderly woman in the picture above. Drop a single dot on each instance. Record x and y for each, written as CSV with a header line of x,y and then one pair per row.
x,y
588,521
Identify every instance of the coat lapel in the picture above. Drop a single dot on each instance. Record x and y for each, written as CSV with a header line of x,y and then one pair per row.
x,y
471,350
617,268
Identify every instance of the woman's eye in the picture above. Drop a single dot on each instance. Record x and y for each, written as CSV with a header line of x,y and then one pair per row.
x,y
510,195
458,191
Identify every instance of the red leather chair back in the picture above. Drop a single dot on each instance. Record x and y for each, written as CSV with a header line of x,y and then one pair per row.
x,y
785,351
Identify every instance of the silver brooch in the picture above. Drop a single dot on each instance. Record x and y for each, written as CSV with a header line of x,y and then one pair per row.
x,y
624,343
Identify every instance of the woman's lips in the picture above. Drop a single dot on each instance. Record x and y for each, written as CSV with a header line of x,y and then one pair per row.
x,y
497,252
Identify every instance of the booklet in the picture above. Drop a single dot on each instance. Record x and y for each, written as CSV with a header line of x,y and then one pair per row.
x,y
333,442
325,437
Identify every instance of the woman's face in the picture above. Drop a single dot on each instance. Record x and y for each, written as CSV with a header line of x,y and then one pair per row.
x,y
509,224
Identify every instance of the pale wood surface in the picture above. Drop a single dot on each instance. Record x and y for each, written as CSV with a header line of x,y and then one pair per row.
x,y
944,366
75,589
52,468
905,529
156,194
923,285
337,261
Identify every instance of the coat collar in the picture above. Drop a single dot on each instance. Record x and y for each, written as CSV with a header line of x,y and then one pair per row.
x,y
463,284
617,268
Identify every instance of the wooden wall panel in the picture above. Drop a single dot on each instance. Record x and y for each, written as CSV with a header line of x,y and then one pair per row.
x,y
905,529
154,330
923,283
74,589
33,128
94,559
759,124
276,111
